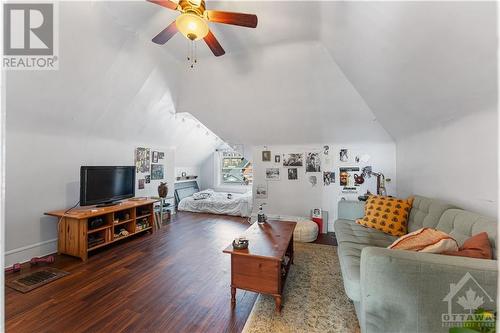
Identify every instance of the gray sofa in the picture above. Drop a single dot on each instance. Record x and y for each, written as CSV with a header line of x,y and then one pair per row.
x,y
403,291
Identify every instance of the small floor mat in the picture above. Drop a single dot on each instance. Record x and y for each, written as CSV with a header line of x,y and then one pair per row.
x,y
30,281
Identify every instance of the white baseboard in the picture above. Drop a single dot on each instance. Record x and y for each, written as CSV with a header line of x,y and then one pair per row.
x,y
25,253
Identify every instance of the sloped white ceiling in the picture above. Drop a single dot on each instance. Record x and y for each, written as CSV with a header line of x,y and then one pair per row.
x,y
111,85
283,94
311,72
416,64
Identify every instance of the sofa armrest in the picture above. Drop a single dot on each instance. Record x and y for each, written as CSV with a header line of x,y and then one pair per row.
x,y
404,291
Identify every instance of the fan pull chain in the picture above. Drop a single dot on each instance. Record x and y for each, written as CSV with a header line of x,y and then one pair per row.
x,y
192,57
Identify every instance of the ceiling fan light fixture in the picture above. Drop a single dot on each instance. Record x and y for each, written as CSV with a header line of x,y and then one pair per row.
x,y
192,26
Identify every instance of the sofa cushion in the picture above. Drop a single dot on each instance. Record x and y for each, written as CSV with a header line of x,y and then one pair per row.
x,y
461,225
349,231
426,212
350,259
352,238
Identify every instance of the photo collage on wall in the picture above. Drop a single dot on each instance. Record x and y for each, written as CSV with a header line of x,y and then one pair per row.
x,y
352,177
149,166
293,162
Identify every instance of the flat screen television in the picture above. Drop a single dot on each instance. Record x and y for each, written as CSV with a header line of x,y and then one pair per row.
x,y
104,185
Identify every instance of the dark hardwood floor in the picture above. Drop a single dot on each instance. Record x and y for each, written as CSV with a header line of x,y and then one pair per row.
x,y
176,280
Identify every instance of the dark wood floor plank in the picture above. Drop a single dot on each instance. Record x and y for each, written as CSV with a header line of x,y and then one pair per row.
x,y
176,280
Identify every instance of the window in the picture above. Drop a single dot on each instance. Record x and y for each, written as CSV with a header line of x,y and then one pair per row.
x,y
236,169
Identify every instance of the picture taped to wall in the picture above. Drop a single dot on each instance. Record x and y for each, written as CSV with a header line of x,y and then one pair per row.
x,y
266,156
156,171
161,155
277,159
349,189
155,157
148,179
261,191
316,213
347,176
344,155
141,184
328,177
313,162
293,160
313,180
293,174
142,160
272,174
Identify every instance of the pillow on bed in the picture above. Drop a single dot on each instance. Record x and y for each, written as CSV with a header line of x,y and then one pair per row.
x,y
202,195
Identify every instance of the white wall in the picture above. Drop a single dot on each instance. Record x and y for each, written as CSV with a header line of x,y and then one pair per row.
x,y
456,162
298,197
43,174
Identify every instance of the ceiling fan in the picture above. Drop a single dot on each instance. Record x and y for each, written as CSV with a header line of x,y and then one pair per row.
x,y
193,22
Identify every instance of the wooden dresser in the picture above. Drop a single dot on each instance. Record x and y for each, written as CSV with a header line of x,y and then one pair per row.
x,y
77,237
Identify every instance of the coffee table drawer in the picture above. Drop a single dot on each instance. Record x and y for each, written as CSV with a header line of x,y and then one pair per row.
x,y
254,273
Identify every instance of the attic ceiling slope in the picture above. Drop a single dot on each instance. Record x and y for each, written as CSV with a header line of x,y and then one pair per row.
x,y
283,94
416,64
120,89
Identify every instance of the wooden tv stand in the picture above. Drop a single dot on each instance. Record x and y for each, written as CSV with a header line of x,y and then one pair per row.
x,y
135,216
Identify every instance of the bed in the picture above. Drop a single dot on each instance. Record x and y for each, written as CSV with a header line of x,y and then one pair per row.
x,y
240,204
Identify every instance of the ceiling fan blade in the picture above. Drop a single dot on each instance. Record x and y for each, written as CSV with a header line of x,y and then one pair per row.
x,y
244,20
165,3
165,34
213,44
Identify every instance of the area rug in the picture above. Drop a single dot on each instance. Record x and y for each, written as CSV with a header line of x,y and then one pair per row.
x,y
33,280
314,299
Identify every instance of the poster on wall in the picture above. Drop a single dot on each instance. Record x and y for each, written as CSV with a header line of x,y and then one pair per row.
x,y
142,160
293,174
155,157
294,159
347,176
328,177
261,191
313,180
161,155
266,156
313,162
156,171
148,179
141,184
316,213
272,174
344,155
277,159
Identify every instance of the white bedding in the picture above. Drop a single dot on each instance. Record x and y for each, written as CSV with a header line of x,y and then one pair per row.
x,y
239,205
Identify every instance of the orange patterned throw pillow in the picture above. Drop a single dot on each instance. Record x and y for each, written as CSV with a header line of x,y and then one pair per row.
x,y
389,215
426,240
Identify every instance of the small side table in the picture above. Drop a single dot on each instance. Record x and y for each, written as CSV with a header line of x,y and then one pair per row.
x,y
165,204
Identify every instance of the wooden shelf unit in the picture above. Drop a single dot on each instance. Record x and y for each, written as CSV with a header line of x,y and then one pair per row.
x,y
74,228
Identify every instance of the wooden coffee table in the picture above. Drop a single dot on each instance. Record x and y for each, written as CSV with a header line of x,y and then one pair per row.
x,y
263,267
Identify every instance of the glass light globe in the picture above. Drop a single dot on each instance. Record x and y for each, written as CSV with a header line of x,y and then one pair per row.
x,y
192,26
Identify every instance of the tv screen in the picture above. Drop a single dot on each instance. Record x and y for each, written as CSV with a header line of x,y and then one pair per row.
x,y
105,184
